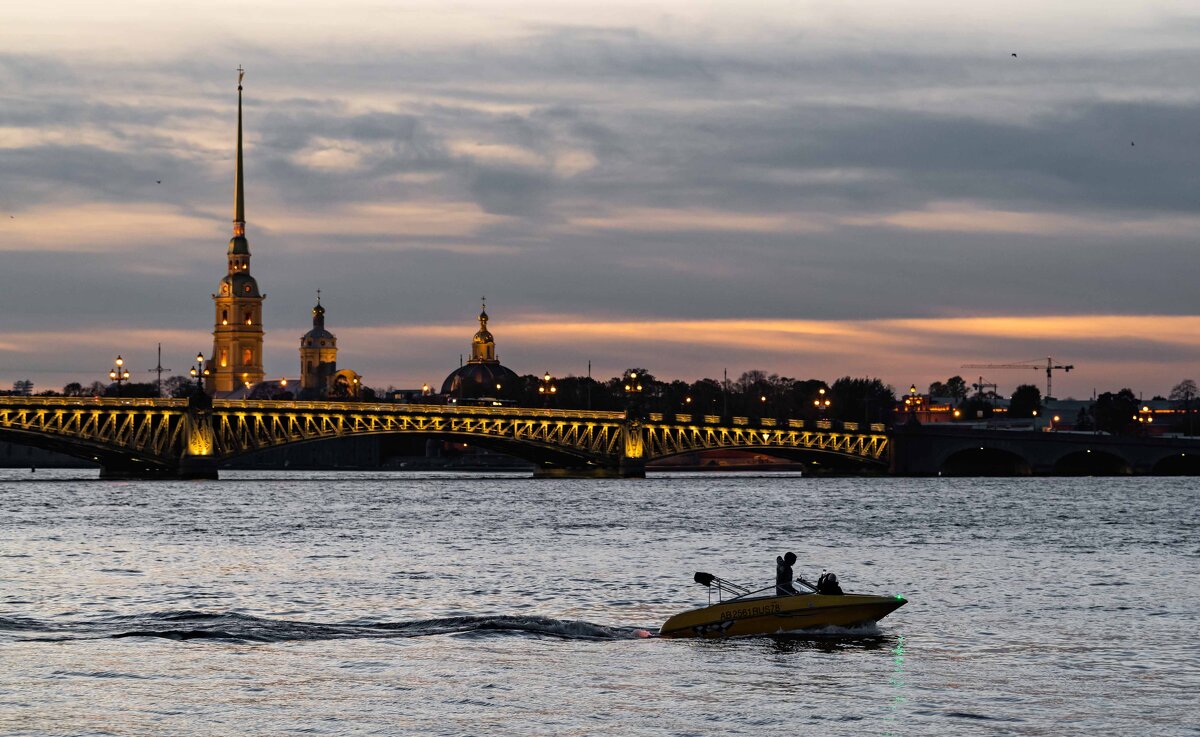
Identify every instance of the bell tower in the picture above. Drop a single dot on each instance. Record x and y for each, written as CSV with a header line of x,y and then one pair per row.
x,y
236,360
318,354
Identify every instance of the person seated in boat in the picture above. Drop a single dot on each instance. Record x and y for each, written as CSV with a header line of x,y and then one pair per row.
x,y
828,584
783,575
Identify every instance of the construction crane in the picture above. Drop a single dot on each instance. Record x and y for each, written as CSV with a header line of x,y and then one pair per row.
x,y
981,385
1049,366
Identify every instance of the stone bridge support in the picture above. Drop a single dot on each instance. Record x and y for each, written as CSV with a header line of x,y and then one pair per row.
x,y
931,450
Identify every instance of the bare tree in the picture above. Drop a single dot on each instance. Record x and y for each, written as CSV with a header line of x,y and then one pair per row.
x,y
1185,391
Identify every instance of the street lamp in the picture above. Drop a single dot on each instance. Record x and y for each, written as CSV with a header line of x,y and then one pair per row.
x,y
119,373
633,392
546,388
198,370
822,402
913,402
1144,417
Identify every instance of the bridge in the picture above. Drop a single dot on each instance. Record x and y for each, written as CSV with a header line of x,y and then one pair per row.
x,y
191,438
928,450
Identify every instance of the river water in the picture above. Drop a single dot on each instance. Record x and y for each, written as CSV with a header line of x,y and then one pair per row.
x,y
379,604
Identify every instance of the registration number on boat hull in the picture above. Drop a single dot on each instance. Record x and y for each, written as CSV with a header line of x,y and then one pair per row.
x,y
750,611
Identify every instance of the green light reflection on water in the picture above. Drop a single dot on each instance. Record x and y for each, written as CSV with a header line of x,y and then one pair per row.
x,y
897,682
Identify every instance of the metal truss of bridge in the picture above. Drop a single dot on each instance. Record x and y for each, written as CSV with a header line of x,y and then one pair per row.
x,y
191,438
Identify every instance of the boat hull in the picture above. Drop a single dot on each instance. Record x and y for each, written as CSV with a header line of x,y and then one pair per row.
x,y
780,615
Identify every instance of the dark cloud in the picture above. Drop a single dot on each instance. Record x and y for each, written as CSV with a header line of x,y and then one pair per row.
x,y
570,124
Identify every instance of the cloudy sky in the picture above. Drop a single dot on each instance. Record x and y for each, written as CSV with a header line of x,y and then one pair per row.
x,y
810,188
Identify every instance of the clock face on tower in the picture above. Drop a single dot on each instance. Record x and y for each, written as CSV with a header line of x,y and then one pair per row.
x,y
224,289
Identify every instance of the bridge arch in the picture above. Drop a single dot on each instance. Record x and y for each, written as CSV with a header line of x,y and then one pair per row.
x,y
819,459
1177,464
863,449
1092,462
105,455
984,460
538,453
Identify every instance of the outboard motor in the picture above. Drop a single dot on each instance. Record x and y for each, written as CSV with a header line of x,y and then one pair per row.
x,y
828,584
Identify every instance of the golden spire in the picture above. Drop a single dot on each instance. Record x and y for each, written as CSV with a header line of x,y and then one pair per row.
x,y
239,204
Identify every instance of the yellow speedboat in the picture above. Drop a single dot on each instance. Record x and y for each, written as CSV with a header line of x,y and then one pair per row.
x,y
762,612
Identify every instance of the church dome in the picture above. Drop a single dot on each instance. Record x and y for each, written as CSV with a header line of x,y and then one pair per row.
x,y
476,380
318,336
240,284
481,374
239,246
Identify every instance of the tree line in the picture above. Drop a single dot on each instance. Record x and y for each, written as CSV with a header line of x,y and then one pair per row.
x,y
754,393
1117,413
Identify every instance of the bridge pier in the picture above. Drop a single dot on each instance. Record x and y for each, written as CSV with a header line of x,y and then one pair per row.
x,y
583,472
197,467
632,468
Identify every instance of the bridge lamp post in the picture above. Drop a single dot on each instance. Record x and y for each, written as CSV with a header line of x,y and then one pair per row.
x,y
913,402
1144,418
546,388
199,371
119,373
822,402
633,392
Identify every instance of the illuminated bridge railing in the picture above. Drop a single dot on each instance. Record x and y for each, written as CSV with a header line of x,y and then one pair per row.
x,y
665,440
241,427
150,430
165,433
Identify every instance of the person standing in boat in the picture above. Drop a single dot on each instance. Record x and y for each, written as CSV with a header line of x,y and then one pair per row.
x,y
783,574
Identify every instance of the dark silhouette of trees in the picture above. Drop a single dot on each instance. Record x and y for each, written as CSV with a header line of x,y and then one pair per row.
x,y
179,387
1185,393
1026,400
141,390
976,408
1115,413
955,387
862,400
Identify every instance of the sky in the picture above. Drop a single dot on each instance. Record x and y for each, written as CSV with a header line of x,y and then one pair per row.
x,y
812,189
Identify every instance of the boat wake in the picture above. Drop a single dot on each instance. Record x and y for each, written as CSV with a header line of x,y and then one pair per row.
x,y
233,627
833,632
